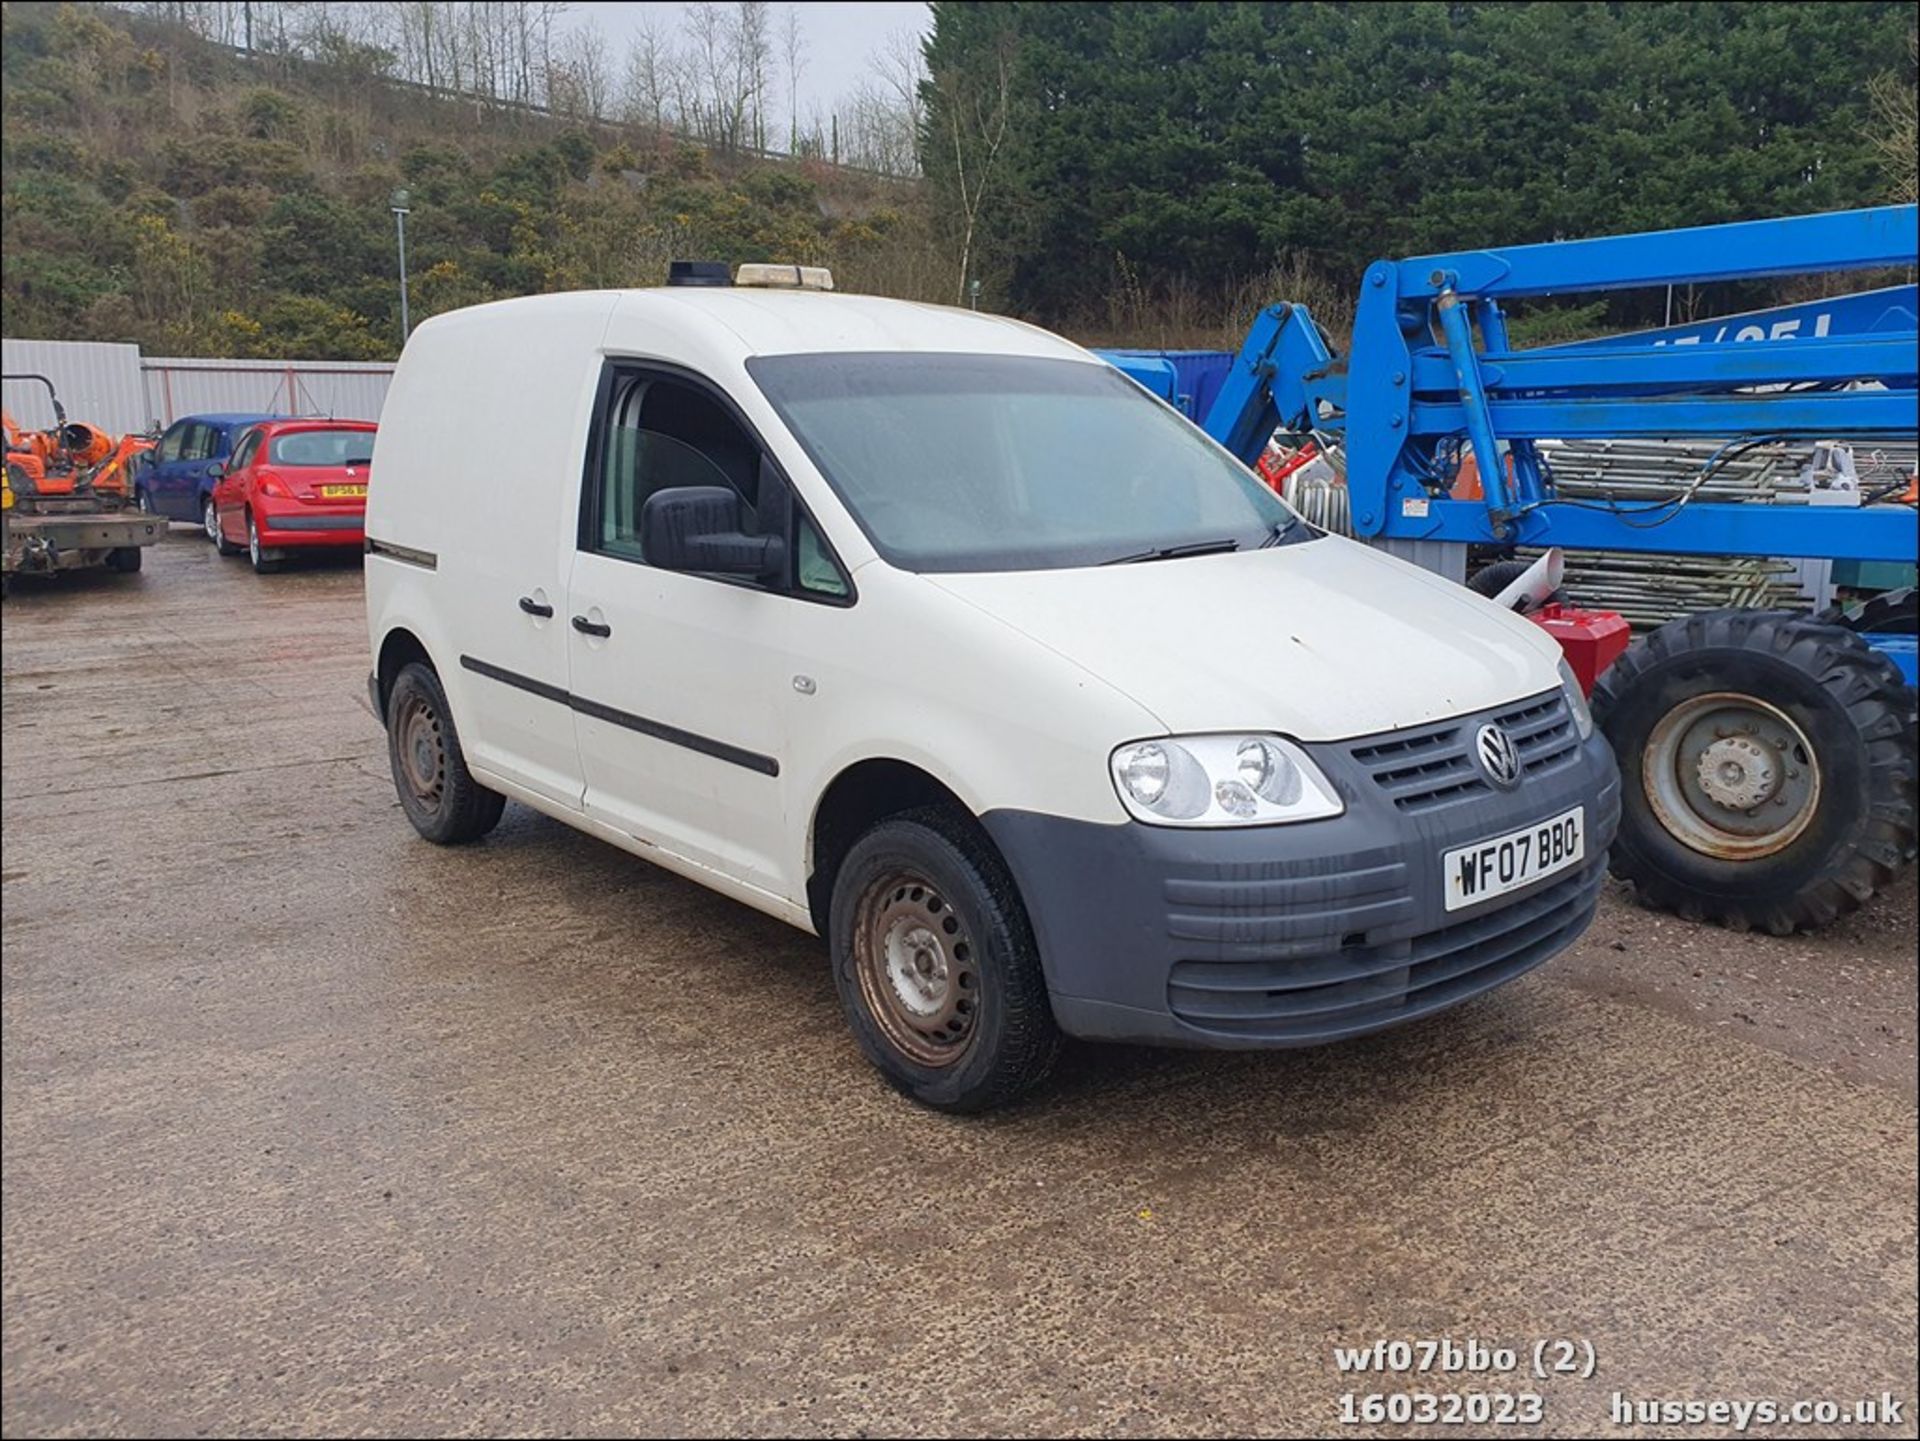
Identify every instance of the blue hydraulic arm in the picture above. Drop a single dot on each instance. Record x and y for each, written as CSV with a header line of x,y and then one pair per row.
x,y
1432,370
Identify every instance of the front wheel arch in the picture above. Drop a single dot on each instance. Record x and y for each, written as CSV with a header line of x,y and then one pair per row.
x,y
856,800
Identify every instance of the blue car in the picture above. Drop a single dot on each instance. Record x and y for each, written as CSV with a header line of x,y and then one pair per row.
x,y
176,478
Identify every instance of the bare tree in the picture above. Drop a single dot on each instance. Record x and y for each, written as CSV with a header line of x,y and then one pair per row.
x,y
901,68
579,84
977,108
1895,130
793,47
750,43
880,119
706,81
646,92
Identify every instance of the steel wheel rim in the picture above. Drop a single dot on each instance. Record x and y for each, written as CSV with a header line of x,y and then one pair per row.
x,y
422,751
211,520
917,968
1731,776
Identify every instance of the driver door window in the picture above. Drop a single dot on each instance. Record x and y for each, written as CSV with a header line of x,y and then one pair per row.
x,y
661,434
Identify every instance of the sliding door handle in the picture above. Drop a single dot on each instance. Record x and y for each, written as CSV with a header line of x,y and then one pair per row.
x,y
533,607
587,627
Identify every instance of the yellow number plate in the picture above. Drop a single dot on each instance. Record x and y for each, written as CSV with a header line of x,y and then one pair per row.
x,y
332,492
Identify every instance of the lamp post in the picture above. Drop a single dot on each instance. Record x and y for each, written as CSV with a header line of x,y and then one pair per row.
x,y
399,205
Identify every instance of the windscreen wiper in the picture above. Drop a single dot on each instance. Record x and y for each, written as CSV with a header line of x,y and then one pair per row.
x,y
1281,530
1174,552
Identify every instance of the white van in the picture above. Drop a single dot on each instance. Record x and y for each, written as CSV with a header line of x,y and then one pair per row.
x,y
930,633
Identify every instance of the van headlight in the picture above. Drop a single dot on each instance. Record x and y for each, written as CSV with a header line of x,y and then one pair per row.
x,y
1221,780
1576,700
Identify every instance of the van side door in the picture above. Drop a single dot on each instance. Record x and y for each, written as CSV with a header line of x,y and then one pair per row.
x,y
681,682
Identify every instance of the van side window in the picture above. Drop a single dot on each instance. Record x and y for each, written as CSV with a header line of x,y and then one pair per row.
x,y
660,434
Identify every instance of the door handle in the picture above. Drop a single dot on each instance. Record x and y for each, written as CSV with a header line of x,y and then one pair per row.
x,y
533,607
587,627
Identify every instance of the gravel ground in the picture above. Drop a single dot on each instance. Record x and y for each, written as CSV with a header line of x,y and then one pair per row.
x,y
311,1127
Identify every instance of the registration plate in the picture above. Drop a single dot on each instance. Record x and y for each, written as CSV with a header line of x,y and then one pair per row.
x,y
342,492
1506,863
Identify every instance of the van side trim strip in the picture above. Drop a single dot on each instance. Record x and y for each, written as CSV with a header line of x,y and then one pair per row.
x,y
516,680
658,730
405,554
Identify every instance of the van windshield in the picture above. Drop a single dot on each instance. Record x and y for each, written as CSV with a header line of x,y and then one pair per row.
x,y
322,447
996,463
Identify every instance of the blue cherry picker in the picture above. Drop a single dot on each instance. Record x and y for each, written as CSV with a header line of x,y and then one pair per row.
x,y
1767,756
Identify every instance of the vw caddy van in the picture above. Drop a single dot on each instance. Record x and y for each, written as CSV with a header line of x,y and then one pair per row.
x,y
931,633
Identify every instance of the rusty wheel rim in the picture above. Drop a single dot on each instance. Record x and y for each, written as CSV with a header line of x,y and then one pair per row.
x,y
1731,776
918,973
422,752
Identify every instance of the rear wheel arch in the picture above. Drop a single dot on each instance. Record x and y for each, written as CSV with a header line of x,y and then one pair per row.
x,y
400,648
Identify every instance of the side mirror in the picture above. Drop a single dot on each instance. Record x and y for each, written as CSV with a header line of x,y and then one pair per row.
x,y
697,528
216,470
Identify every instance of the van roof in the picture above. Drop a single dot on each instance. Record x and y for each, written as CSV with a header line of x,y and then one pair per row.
x,y
784,322
750,321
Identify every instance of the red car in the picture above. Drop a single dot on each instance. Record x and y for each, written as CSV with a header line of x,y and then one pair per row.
x,y
293,484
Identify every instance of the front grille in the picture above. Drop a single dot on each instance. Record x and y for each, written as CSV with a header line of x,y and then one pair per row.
x,y
1359,987
1427,767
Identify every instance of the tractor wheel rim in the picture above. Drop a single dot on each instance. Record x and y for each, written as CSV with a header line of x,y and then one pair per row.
x,y
422,752
917,971
1731,776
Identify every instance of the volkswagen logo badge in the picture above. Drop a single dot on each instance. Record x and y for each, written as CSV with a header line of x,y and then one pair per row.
x,y
1498,756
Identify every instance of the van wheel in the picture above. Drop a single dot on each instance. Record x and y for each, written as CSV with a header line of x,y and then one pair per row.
x,y
937,967
437,791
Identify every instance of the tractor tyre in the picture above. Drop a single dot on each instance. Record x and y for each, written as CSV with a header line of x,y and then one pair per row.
x,y
1496,576
1892,612
1768,769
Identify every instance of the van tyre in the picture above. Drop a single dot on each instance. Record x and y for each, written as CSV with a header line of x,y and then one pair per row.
x,y
437,791
1768,769
936,964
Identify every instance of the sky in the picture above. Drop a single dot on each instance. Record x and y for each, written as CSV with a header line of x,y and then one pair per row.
x,y
840,37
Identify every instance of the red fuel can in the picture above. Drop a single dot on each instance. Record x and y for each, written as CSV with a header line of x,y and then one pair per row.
x,y
1591,639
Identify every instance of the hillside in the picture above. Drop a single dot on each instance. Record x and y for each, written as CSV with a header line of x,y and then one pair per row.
x,y
162,190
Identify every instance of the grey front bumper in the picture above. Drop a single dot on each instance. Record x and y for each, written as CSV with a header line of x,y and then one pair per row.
x,y
1294,935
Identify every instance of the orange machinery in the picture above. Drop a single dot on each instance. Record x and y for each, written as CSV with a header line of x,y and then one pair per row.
x,y
66,497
